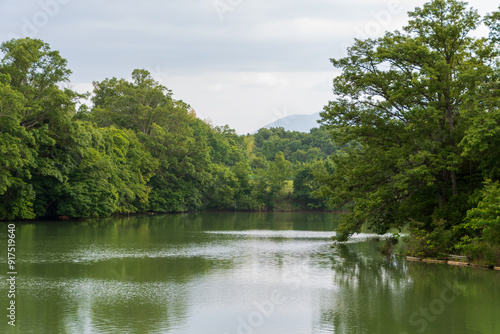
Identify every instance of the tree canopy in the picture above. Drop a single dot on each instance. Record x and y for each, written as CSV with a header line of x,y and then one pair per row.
x,y
134,149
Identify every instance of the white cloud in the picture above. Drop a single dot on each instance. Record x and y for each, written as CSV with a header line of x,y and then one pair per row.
x,y
249,100
263,79
263,58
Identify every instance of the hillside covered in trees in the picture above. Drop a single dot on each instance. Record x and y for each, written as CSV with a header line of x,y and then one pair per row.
x,y
135,149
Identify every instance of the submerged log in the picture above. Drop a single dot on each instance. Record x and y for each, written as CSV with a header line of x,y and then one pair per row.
x,y
412,258
434,261
458,263
481,266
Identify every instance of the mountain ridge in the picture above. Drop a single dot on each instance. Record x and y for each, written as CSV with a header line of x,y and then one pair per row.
x,y
296,122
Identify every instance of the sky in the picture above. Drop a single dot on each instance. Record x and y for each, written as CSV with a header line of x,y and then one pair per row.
x,y
245,63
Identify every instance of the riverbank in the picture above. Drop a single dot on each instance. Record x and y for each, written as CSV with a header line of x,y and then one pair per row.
x,y
453,260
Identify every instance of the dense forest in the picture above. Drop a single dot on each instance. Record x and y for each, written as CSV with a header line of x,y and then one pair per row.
x,y
136,149
412,139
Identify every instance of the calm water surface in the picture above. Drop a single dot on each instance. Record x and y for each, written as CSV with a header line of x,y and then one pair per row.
x,y
233,273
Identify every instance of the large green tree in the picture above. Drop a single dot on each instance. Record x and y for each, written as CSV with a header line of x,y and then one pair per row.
x,y
136,105
36,73
405,102
169,130
17,156
108,173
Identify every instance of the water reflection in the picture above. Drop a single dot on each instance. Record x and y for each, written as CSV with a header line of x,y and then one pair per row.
x,y
234,273
366,281
380,294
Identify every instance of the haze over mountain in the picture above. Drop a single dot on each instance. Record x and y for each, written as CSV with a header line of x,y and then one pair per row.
x,y
301,123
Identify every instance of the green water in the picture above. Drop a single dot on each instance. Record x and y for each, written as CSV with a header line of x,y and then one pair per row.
x,y
232,273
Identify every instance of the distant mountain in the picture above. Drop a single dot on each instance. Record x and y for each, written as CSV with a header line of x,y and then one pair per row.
x,y
301,123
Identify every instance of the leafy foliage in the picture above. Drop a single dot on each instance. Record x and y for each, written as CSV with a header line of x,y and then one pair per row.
x,y
297,147
417,116
136,149
481,227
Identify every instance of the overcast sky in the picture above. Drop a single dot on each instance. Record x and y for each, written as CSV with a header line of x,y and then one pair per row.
x,y
244,63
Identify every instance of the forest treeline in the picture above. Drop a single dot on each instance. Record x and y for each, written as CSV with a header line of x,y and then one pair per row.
x,y
136,149
411,139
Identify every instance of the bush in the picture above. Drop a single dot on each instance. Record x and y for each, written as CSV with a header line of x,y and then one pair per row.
x,y
429,243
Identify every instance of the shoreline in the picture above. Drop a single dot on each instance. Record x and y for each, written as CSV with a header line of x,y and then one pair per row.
x,y
453,260
154,213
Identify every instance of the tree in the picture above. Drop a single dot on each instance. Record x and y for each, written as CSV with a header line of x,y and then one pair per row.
x,y
306,186
270,181
401,113
108,174
134,105
35,73
482,224
17,156
278,172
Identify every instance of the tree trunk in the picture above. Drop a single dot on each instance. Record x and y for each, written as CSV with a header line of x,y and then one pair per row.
x,y
454,188
453,174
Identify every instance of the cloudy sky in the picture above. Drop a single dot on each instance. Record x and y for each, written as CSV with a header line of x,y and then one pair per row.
x,y
244,63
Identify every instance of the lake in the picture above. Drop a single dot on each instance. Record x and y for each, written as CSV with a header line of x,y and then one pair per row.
x,y
233,273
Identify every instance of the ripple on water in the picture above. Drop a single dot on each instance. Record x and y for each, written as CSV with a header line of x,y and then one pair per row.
x,y
254,242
